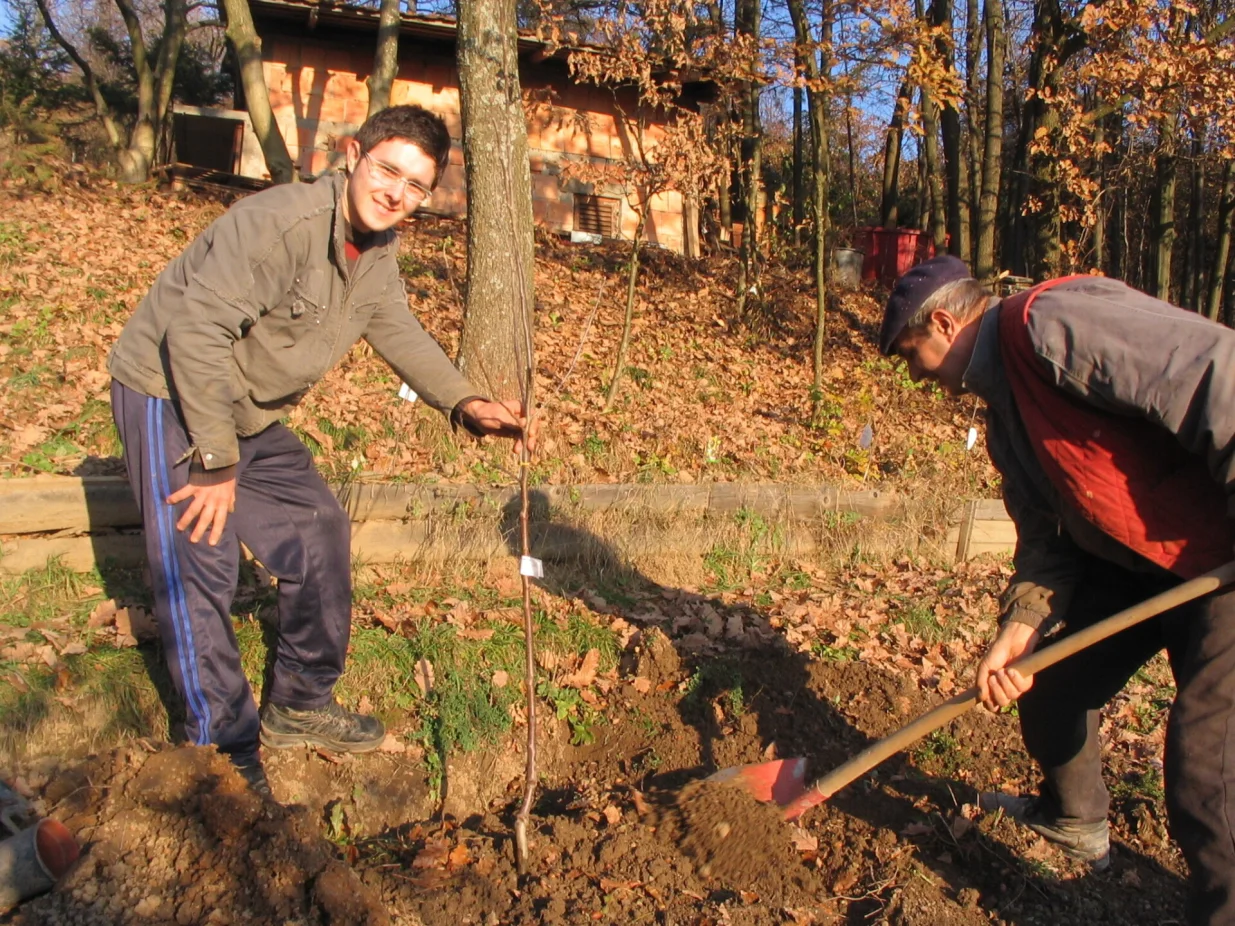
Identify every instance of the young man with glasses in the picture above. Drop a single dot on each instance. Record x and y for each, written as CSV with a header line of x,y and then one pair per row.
x,y
230,337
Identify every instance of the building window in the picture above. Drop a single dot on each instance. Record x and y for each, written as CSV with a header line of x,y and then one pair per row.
x,y
598,215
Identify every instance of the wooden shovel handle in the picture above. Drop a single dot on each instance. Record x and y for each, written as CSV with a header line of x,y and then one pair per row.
x,y
829,784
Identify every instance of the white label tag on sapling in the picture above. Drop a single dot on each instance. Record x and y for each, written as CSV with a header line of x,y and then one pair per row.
x,y
405,392
971,439
531,567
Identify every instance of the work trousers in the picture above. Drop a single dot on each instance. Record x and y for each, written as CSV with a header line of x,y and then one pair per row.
x,y
1059,722
293,524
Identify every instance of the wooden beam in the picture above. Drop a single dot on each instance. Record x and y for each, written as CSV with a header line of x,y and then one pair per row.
x,y
66,503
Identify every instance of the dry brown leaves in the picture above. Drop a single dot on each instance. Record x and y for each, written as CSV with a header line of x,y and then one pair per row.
x,y
709,399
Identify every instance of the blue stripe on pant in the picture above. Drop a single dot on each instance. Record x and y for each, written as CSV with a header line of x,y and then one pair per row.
x,y
293,524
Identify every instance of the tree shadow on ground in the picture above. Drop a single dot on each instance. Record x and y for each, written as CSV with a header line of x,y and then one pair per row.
x,y
749,696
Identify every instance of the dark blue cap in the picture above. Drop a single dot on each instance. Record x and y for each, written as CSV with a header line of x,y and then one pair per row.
x,y
911,290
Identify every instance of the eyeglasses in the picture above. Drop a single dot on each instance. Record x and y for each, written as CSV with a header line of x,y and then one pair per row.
x,y
387,177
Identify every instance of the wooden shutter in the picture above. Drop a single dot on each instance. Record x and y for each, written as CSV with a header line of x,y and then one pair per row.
x,y
598,215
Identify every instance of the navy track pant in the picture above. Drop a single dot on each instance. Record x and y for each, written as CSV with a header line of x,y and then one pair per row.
x,y
291,521
1060,717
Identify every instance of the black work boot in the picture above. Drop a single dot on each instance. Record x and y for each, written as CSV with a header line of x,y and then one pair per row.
x,y
254,774
1086,842
330,727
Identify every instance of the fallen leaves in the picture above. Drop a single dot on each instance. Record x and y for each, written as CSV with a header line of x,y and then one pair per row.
x,y
586,674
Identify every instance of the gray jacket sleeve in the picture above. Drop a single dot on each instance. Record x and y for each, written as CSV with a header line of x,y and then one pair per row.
x,y
1131,354
397,336
249,266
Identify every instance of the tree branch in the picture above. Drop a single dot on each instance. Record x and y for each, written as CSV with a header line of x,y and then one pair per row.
x,y
92,84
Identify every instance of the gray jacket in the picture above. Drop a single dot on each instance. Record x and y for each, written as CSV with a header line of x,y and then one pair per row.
x,y
260,306
1125,353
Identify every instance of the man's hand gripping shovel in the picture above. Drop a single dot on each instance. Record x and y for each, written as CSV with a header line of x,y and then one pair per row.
x,y
782,781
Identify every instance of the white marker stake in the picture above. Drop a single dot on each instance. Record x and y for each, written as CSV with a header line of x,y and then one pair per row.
x,y
531,567
971,439
405,392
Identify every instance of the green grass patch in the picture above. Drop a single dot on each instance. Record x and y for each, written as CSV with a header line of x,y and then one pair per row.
x,y
731,563
116,692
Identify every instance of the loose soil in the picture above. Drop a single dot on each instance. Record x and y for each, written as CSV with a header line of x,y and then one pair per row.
x,y
624,832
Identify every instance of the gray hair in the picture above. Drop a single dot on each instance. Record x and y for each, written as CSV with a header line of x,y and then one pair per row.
x,y
965,299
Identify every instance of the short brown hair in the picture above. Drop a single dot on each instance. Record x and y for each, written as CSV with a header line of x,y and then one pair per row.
x,y
424,129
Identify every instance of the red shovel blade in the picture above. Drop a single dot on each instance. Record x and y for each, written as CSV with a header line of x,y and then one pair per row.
x,y
780,781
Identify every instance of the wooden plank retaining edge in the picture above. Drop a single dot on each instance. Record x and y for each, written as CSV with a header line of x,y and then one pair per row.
x,y
71,504
400,522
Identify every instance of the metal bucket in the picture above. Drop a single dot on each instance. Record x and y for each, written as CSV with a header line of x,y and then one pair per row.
x,y
33,860
847,268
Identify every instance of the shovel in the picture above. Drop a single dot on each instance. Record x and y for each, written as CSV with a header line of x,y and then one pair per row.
x,y
781,781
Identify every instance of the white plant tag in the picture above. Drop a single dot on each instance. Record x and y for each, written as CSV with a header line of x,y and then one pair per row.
x,y
866,438
531,567
971,439
405,392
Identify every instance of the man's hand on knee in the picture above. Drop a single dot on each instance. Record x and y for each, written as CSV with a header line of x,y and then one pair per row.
x,y
998,686
209,508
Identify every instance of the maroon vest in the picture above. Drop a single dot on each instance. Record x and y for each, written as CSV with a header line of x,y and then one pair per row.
x,y
1128,476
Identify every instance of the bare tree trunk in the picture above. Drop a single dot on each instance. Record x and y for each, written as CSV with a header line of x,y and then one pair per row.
x,y
888,217
1057,40
820,73
934,172
957,190
1222,250
92,85
1099,223
386,58
1193,283
500,254
973,89
136,160
248,48
1162,239
749,23
632,279
799,189
174,30
992,146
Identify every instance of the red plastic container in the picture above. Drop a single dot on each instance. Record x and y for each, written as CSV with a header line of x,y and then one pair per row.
x,y
892,251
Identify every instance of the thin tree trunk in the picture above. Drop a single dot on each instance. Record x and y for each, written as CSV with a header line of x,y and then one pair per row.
x,y
992,144
956,189
799,166
175,14
749,23
973,90
819,72
1162,240
934,172
888,203
632,279
500,254
385,58
1099,219
1222,250
137,159
248,49
92,85
853,160
1193,283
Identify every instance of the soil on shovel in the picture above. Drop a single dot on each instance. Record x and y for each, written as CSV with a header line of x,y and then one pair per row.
x,y
739,842
624,831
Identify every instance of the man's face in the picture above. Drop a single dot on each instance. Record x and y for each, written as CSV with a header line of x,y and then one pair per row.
x,y
386,183
939,352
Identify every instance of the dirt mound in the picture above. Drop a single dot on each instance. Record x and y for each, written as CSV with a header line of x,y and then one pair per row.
x,y
738,842
176,837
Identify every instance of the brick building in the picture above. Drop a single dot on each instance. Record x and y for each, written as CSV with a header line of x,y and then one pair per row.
x,y
317,57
